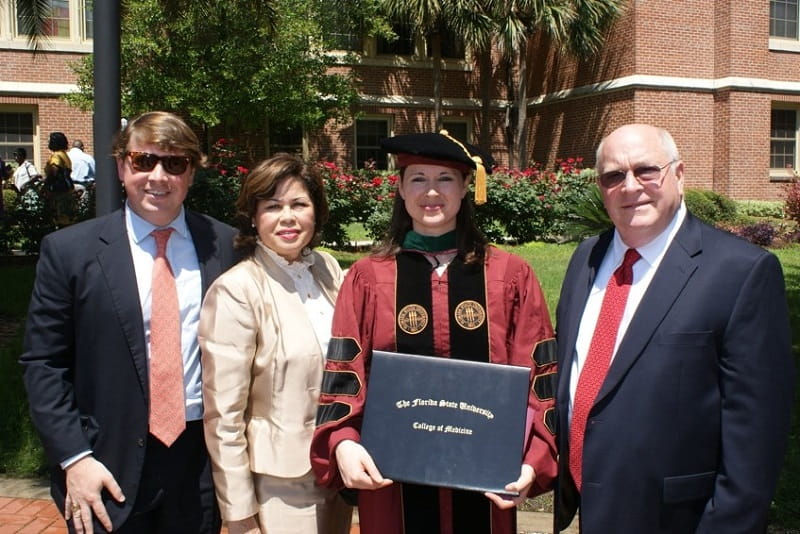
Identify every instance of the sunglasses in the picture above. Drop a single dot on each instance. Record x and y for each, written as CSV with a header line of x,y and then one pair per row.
x,y
646,175
146,162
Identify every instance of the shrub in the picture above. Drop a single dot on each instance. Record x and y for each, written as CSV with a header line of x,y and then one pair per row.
x,y
761,233
760,208
792,202
532,204
588,215
216,187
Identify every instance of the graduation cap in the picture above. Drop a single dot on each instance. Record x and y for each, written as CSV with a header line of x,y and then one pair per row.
x,y
442,149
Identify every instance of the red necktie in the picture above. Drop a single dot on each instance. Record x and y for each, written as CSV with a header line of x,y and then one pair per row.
x,y
597,359
167,406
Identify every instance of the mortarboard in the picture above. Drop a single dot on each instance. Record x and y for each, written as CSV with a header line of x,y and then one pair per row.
x,y
442,149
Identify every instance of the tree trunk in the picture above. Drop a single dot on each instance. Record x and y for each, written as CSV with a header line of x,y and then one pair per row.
x,y
436,47
521,141
485,66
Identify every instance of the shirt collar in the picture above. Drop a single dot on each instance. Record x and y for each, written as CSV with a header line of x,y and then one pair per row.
x,y
141,229
303,263
653,251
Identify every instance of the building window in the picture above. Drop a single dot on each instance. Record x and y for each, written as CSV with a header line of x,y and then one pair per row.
x,y
783,18
369,133
289,139
457,128
345,41
402,46
88,19
783,139
56,24
16,130
453,47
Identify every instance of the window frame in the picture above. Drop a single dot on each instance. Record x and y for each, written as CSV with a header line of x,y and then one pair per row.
x,y
32,147
783,43
783,174
382,161
78,40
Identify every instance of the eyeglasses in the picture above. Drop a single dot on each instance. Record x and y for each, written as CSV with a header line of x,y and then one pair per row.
x,y
644,175
146,162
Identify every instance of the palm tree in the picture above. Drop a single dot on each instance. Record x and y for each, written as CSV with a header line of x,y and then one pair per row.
x,y
578,25
429,18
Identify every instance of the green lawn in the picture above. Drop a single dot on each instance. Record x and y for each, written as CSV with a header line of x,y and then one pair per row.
x,y
20,453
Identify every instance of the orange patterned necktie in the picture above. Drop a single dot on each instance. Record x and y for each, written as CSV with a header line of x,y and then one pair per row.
x,y
597,359
167,406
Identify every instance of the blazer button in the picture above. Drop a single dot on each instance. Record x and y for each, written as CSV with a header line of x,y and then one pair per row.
x,y
140,442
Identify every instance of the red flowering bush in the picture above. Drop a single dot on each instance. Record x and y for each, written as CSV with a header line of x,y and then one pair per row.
x,y
792,201
532,204
354,196
216,186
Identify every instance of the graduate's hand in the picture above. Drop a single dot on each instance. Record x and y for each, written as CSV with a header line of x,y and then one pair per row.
x,y
522,485
357,468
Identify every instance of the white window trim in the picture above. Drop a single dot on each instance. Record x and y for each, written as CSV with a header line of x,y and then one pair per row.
x,y
77,41
785,174
35,157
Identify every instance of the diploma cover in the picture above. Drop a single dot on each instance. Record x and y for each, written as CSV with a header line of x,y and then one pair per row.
x,y
446,422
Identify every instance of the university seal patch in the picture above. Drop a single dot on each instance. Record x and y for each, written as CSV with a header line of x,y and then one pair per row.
x,y
412,319
470,315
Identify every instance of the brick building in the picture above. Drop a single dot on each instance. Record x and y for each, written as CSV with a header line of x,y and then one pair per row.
x,y
31,85
723,77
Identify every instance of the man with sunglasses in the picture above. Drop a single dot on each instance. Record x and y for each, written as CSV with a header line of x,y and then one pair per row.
x,y
674,350
116,301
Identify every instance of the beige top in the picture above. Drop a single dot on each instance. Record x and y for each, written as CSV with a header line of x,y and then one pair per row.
x,y
262,371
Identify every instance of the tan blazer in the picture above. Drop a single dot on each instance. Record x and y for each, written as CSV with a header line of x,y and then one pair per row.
x,y
262,370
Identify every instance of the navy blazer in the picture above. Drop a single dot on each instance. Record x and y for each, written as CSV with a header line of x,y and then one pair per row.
x,y
688,432
84,357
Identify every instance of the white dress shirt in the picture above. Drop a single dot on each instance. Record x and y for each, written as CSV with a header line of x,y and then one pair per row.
x,y
643,272
182,257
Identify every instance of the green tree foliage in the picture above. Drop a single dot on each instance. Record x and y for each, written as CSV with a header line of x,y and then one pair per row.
x,y
236,64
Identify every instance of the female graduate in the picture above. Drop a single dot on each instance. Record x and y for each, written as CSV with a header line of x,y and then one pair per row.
x,y
434,263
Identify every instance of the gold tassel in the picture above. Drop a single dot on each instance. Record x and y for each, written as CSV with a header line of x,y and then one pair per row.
x,y
480,170
480,181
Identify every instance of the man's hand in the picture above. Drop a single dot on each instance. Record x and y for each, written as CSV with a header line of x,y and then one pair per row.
x,y
522,485
357,468
86,479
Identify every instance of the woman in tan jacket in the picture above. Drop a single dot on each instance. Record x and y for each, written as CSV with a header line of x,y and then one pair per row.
x,y
264,330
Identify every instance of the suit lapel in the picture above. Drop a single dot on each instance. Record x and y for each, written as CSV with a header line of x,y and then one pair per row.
x,y
206,246
116,262
582,286
668,283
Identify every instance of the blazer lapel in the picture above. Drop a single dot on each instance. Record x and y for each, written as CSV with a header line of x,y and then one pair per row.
x,y
582,286
673,273
116,262
207,247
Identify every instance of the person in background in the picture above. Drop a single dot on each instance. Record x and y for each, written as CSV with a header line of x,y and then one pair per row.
x,y
110,358
674,350
26,171
443,263
264,329
60,202
83,165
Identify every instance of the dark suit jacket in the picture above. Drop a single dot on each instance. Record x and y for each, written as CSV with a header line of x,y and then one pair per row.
x,y
689,429
85,360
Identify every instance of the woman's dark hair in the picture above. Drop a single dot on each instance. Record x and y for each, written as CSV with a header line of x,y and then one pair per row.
x,y
470,241
261,184
58,141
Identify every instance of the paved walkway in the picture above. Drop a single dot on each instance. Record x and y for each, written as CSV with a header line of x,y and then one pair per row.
x,y
26,508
